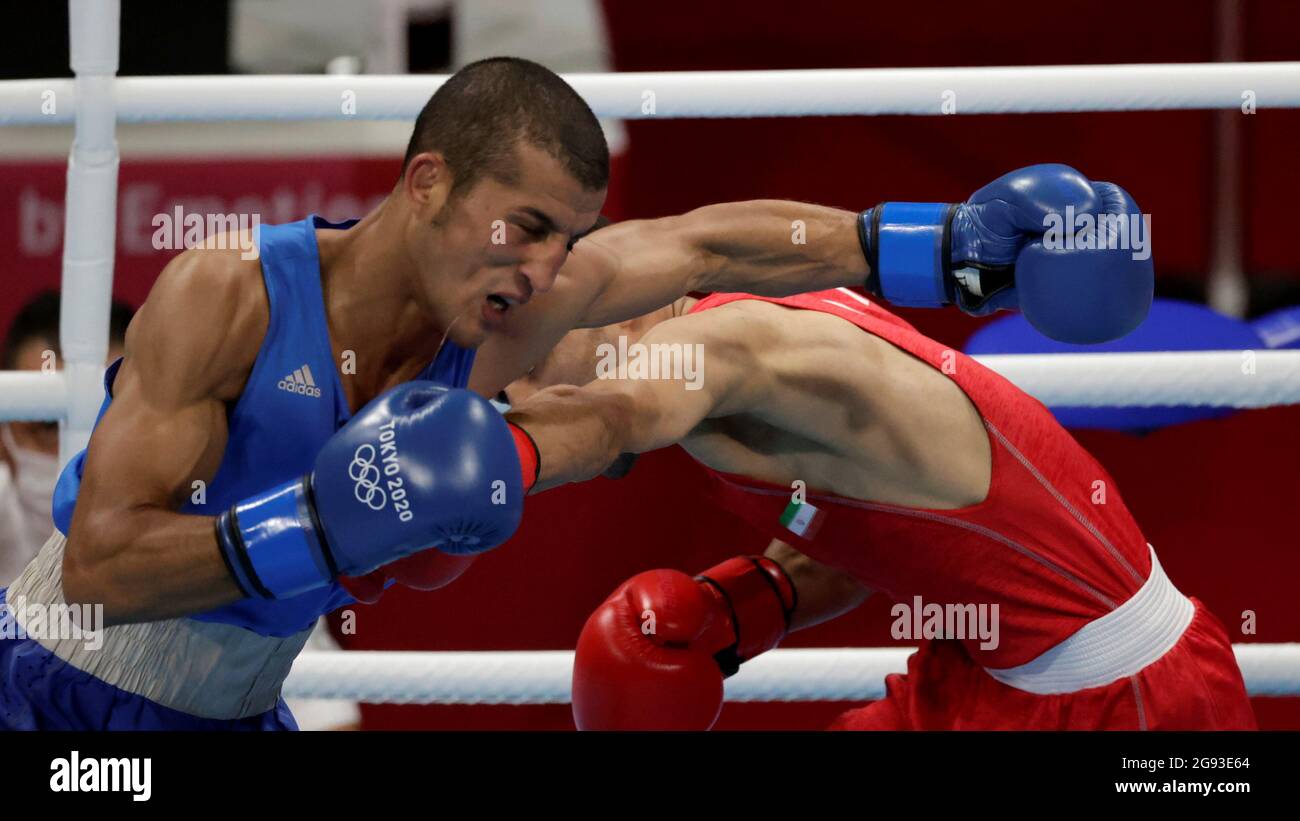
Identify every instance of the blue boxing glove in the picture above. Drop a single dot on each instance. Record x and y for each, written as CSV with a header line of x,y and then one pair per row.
x,y
1072,254
421,466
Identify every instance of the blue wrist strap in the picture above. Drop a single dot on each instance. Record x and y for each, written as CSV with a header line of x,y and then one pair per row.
x,y
272,545
908,240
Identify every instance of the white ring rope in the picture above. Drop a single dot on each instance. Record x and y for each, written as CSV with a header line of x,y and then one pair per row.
x,y
27,396
1237,379
652,95
543,677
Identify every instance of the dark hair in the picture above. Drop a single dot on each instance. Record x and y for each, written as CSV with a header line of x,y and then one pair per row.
x,y
39,319
478,118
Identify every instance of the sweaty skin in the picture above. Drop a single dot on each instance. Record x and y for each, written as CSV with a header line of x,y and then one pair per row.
x,y
419,269
786,395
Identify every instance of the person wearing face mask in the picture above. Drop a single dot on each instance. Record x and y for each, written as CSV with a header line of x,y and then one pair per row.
x,y
29,451
27,478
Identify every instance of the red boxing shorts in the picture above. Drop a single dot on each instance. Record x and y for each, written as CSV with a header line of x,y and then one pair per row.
x,y
1195,685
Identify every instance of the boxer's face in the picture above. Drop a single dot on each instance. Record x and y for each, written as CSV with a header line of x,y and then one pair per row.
x,y
499,244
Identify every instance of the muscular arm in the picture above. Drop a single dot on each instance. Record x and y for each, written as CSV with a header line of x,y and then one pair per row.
x,y
766,247
579,431
187,352
824,592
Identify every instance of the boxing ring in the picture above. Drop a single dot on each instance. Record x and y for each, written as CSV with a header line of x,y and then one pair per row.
x,y
95,100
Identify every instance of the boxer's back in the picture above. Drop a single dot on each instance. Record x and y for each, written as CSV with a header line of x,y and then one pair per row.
x,y
851,414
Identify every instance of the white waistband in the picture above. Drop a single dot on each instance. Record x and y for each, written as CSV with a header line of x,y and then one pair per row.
x,y
202,668
1115,646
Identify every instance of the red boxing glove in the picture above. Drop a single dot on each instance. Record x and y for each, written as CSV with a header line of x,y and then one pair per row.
x,y
366,589
426,570
654,655
530,461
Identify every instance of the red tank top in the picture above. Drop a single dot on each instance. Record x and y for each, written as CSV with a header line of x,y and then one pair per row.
x,y
1052,544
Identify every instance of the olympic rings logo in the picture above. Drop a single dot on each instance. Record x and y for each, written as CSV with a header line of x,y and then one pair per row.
x,y
366,474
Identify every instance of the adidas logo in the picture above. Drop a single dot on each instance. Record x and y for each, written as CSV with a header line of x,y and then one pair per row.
x,y
300,382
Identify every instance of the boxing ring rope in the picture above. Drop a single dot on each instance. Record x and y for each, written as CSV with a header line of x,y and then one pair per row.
x,y
1236,379
27,396
1233,379
543,677
651,95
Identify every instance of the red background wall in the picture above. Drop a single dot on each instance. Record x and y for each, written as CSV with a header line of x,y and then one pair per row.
x,y
1214,497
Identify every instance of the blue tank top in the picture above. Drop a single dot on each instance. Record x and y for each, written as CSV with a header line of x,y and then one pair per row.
x,y
293,402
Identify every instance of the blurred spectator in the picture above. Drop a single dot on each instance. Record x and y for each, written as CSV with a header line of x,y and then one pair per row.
x,y
302,36
29,451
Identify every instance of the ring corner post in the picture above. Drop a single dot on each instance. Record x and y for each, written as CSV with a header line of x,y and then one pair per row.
x,y
90,217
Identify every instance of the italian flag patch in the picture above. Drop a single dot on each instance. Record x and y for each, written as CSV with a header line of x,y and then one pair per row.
x,y
802,519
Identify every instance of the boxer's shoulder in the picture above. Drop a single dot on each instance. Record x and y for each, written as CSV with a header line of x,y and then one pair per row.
x,y
203,324
750,326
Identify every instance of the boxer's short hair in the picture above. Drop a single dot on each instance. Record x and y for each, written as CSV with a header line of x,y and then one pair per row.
x,y
483,112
